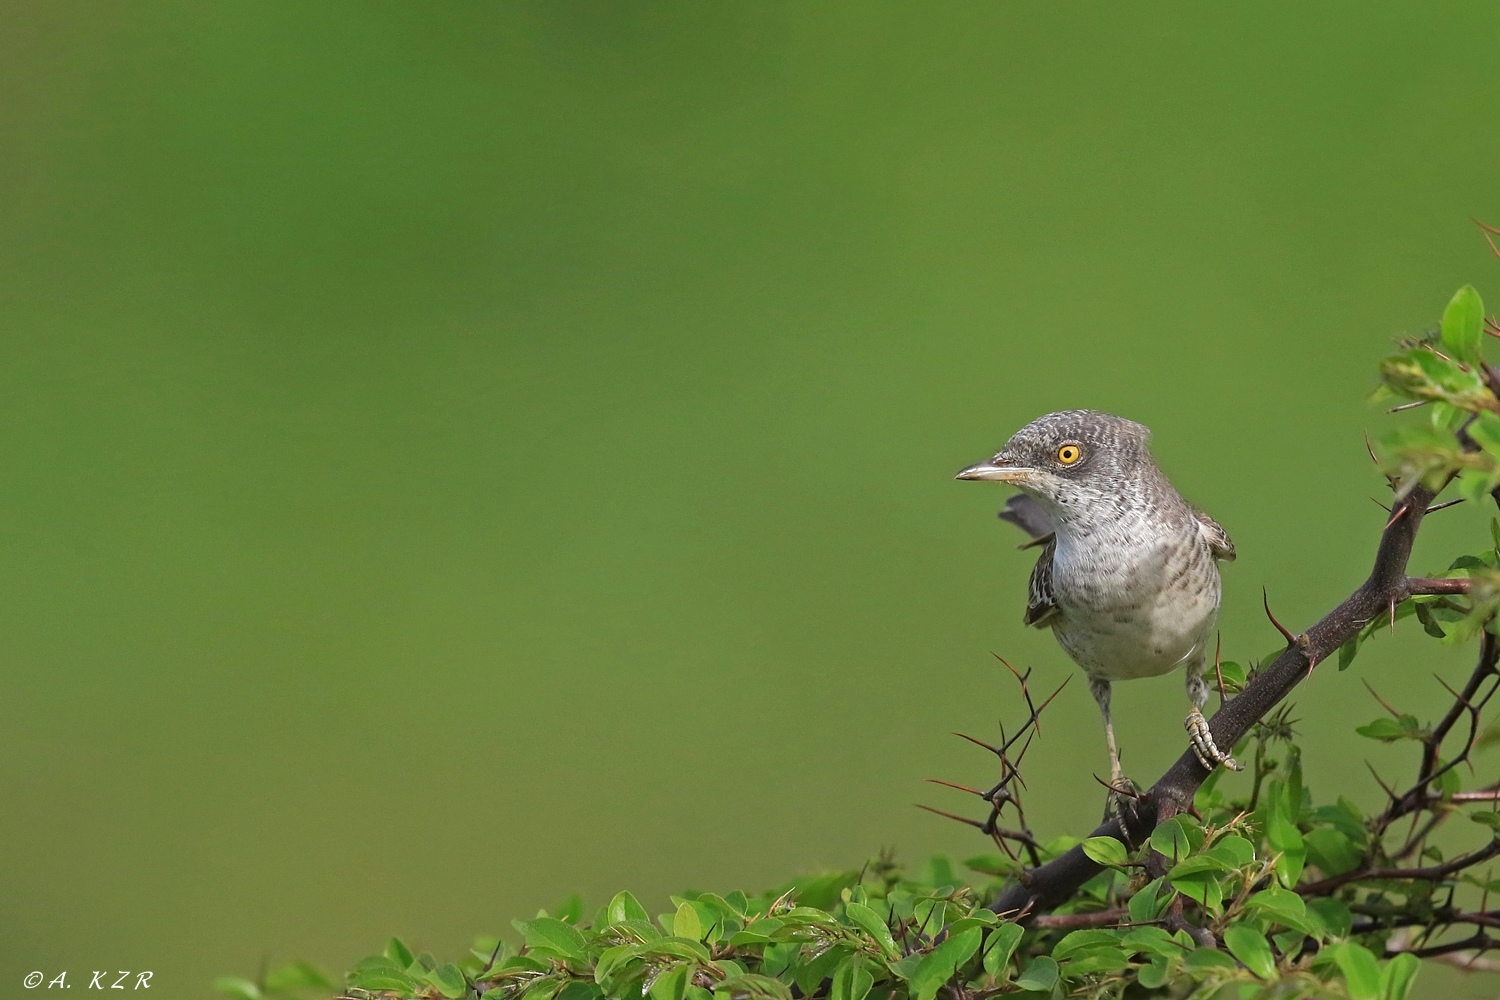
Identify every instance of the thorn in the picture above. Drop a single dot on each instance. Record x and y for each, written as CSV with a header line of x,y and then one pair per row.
x,y
1486,234
1383,786
1381,505
962,819
1291,640
1371,449
1444,505
1383,703
1408,406
1396,516
961,788
1393,614
1129,793
1486,228
981,743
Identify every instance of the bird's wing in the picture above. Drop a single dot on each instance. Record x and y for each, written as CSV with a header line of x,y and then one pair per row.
x,y
1214,534
1040,608
1026,514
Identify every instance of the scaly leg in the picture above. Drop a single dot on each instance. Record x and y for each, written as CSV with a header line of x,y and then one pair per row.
x,y
1099,688
1199,737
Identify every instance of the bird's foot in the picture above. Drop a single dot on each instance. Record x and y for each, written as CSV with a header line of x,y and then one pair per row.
x,y
1123,801
1204,747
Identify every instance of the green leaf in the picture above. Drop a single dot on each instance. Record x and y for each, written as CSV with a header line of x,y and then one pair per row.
x,y
625,907
396,951
1203,960
1348,651
1285,838
380,973
580,989
1332,914
870,922
1075,941
1281,905
1489,819
685,923
1203,888
851,980
1144,905
1093,961
994,864
1399,974
1249,946
1196,865
1463,325
551,934
237,988
942,962
1000,946
1233,850
672,984
1331,851
1105,851
1386,730
1361,973
1157,974
1153,941
750,986
450,982
1170,839
810,974
1040,976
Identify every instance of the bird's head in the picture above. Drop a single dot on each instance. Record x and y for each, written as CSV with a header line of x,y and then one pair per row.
x,y
1070,458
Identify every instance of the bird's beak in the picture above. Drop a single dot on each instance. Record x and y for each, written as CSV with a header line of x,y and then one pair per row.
x,y
1014,474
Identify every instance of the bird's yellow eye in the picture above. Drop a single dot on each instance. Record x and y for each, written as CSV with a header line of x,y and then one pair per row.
x,y
1068,454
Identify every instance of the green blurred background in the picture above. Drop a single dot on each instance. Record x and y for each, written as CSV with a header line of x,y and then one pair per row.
x,y
455,455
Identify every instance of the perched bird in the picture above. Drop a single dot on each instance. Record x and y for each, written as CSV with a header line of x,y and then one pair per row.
x,y
1128,579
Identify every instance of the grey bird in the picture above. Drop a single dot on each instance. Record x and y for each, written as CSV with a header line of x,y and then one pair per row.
x,y
1128,579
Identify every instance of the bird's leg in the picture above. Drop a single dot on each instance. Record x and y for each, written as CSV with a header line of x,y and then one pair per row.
x,y
1120,786
1199,737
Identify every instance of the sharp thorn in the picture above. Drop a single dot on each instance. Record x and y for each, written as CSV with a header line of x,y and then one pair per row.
x,y
1444,505
961,788
981,743
976,824
1396,516
1291,640
1381,505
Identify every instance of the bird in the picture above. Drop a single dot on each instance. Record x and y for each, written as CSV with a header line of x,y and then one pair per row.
x,y
1128,578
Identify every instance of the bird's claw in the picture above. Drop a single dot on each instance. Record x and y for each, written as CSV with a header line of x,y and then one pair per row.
x,y
1204,747
1124,797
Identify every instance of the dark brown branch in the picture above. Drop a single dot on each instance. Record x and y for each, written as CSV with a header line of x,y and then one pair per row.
x,y
1074,921
1436,585
1054,882
1432,873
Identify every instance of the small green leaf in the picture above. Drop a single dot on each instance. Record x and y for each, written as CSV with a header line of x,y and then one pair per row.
x,y
1399,974
1144,904
551,934
998,949
1203,888
450,982
396,951
1332,914
625,907
1361,973
1463,325
1348,651
1249,946
237,988
1196,865
1489,819
1105,851
1281,905
851,980
1331,851
685,923
380,973
939,965
1040,976
1076,941
750,986
870,922
672,984
1233,850
1170,839
1157,974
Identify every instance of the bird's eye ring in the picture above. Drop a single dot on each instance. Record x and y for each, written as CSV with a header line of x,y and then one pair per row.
x,y
1069,453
